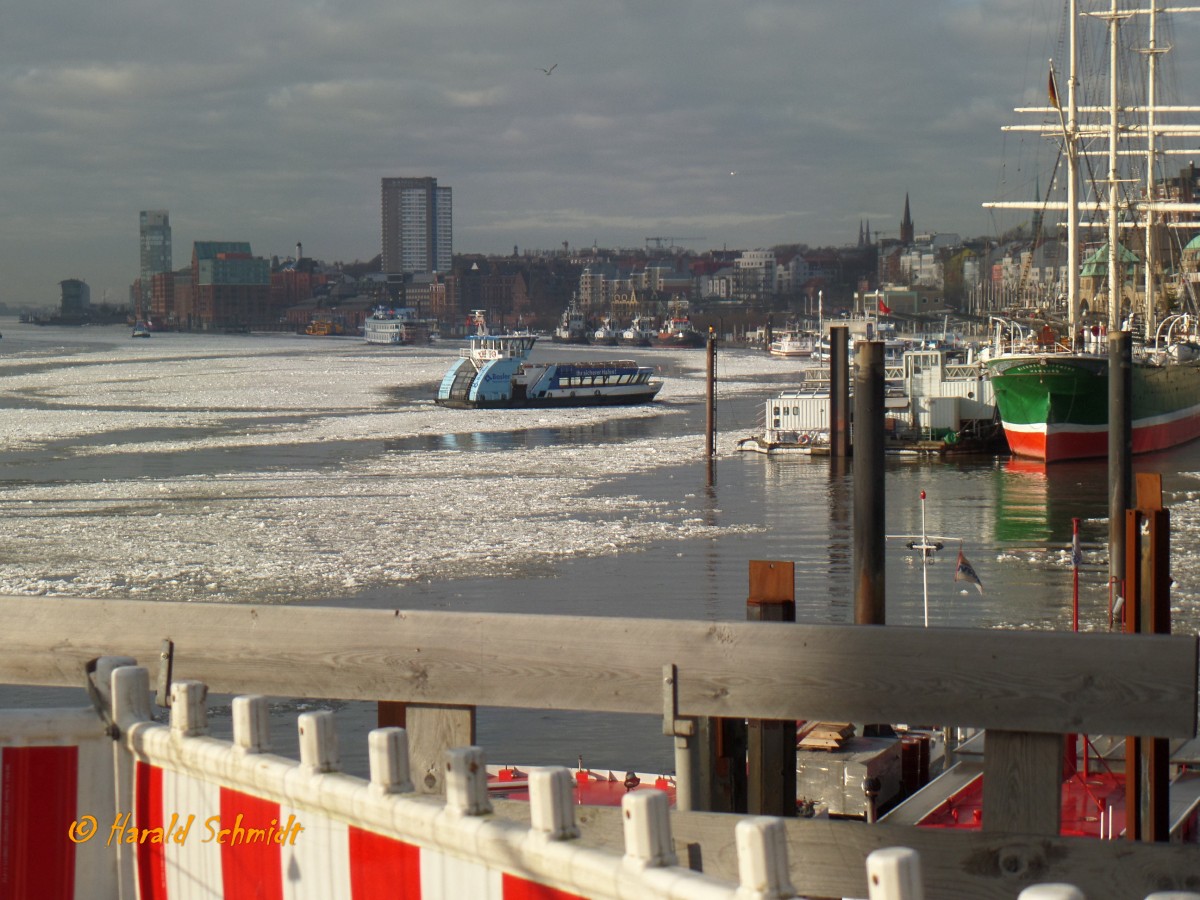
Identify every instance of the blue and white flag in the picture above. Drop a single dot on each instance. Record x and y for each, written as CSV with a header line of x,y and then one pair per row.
x,y
964,571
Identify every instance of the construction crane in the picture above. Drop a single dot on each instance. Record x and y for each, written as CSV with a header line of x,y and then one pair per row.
x,y
669,242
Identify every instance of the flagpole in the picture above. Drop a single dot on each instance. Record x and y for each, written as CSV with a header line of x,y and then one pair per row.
x,y
924,561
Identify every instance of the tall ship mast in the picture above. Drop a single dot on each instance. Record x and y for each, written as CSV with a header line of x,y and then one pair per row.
x,y
1051,385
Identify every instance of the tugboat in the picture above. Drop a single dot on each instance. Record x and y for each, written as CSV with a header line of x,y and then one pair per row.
x,y
641,333
679,332
572,328
493,372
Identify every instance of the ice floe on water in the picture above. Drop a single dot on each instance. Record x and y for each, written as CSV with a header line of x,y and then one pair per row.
x,y
233,468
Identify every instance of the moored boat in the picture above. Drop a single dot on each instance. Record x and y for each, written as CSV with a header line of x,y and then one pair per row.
x,y
793,344
396,326
640,333
1052,384
572,327
678,332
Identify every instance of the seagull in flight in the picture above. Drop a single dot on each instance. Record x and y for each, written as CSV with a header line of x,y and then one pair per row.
x,y
549,70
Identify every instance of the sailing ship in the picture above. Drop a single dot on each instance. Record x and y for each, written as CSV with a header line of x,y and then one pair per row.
x,y
1051,385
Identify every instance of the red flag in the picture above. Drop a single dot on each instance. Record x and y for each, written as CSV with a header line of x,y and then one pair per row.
x,y
1053,91
964,571
884,308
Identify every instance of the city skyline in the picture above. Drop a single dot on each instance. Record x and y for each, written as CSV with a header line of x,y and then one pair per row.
x,y
721,125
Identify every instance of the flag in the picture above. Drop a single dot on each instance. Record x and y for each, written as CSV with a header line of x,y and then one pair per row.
x,y
964,571
1053,91
884,308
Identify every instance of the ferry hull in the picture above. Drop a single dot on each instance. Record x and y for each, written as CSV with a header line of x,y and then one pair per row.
x,y
579,398
1055,407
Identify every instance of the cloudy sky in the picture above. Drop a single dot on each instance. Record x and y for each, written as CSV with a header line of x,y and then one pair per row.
x,y
719,123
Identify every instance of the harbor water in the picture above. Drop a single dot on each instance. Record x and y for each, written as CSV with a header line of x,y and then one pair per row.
x,y
317,470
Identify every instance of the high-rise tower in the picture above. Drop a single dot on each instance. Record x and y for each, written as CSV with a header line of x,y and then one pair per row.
x,y
418,225
154,233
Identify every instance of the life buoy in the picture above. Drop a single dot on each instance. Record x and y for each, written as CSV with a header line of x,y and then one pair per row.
x,y
805,440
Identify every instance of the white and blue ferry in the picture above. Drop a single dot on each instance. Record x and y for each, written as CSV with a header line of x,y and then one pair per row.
x,y
494,371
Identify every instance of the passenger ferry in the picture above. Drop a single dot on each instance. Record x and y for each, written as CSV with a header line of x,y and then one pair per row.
x,y
396,326
494,372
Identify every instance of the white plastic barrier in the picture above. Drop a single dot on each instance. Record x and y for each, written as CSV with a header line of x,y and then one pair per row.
x,y
215,819
55,772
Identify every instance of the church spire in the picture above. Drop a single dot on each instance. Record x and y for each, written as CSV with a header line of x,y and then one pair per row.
x,y
907,232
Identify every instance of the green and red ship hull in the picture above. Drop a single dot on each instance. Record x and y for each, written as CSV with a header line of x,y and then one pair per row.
x,y
1055,406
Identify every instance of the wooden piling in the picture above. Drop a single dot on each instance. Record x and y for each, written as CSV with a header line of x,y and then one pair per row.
x,y
839,392
869,601
771,743
1147,611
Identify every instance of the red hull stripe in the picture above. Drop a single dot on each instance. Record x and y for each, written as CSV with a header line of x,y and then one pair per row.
x,y
519,889
250,868
383,868
38,788
148,813
1053,443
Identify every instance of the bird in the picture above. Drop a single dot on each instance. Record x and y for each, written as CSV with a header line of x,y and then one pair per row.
x,y
549,70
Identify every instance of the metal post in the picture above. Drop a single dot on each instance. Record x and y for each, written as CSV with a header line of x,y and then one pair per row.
x,y
869,601
1120,452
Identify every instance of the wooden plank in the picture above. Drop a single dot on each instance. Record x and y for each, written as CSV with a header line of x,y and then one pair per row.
x,y
827,858
1022,782
432,730
1041,681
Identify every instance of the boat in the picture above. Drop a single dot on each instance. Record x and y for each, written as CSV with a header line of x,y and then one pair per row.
x,y
606,335
678,332
793,344
324,328
1051,377
640,333
396,326
494,372
934,404
141,330
572,327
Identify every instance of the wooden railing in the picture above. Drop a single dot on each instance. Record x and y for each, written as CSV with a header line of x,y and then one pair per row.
x,y
1027,690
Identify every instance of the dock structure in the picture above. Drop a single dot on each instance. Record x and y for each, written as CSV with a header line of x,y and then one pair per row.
x,y
1026,689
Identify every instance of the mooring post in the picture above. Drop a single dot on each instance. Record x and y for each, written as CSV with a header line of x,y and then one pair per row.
x,y
839,392
710,397
1147,611
771,744
1120,453
867,469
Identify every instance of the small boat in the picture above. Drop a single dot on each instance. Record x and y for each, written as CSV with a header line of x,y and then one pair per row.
x,y
572,327
494,372
324,328
396,326
141,330
606,335
640,333
680,333
793,344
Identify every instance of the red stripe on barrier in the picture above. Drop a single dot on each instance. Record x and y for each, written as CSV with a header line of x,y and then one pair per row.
x,y
250,835
147,813
37,808
383,868
515,888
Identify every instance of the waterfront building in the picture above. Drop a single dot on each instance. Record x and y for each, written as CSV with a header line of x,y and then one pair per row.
x,y
418,225
76,298
231,288
154,234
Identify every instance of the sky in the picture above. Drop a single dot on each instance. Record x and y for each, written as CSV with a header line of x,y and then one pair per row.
x,y
710,122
